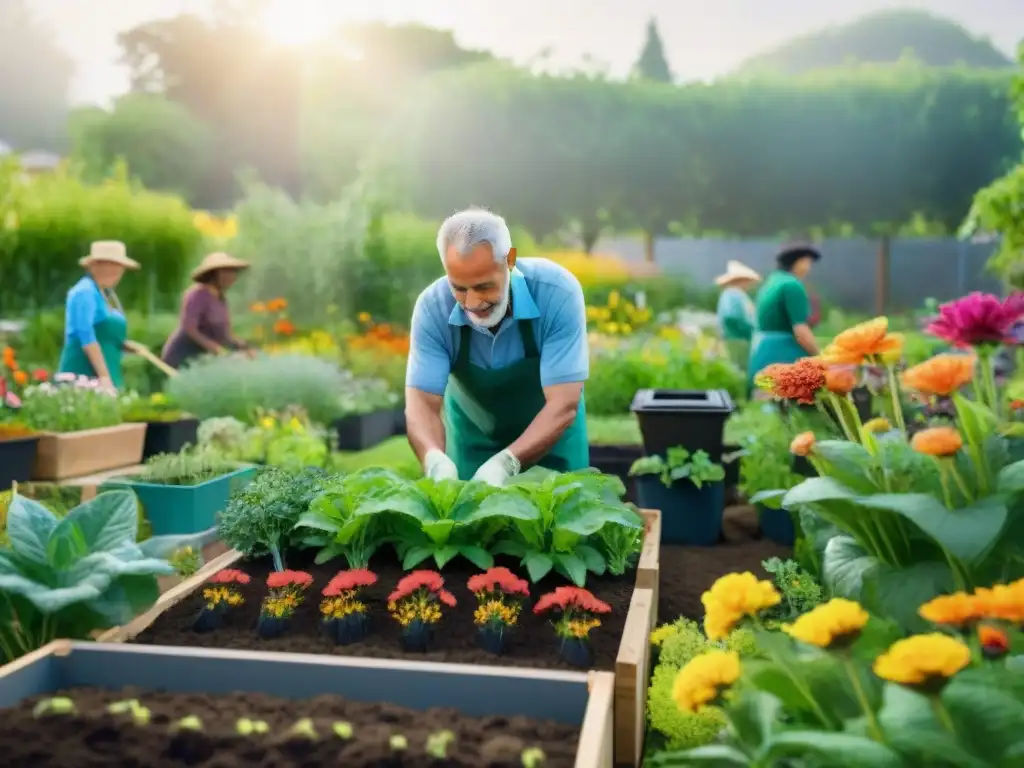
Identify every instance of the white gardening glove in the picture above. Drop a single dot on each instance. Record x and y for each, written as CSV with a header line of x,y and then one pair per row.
x,y
437,466
498,469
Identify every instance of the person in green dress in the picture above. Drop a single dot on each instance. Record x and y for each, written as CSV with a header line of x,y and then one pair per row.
x,y
783,309
95,328
736,312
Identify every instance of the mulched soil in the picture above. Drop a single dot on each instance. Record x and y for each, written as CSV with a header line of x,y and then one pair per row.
x,y
687,572
533,644
93,738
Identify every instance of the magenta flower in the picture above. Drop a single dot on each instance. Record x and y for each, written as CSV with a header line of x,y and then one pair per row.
x,y
978,318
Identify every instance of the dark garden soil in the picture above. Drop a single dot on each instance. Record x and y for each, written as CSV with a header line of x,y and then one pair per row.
x,y
533,643
688,572
93,738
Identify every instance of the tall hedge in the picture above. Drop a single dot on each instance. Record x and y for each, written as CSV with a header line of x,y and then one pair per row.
x,y
47,223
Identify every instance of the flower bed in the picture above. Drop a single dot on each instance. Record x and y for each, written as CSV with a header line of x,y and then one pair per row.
x,y
190,706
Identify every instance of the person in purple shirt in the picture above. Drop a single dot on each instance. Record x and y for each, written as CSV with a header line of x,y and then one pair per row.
x,y
205,323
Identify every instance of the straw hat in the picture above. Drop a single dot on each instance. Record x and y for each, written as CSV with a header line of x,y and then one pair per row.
x,y
110,251
218,260
735,270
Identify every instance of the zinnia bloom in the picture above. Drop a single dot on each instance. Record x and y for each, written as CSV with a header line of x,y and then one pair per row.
x,y
732,597
923,661
20,378
940,442
863,343
701,681
941,376
1003,601
837,622
803,444
800,381
978,318
840,381
954,610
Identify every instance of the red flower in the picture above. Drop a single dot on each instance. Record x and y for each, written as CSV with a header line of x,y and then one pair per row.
x,y
39,375
230,576
430,581
567,598
499,580
345,581
995,643
281,579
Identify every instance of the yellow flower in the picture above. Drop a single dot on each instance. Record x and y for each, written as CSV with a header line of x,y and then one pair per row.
x,y
268,422
663,633
838,621
925,661
613,299
1003,601
364,317
701,681
732,597
952,610
876,425
158,398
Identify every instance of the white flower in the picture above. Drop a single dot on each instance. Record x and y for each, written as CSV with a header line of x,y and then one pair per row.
x,y
64,377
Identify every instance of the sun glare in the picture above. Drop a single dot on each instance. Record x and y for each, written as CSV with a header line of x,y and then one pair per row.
x,y
293,23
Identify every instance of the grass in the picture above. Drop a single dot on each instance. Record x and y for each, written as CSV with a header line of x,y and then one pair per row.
x,y
613,430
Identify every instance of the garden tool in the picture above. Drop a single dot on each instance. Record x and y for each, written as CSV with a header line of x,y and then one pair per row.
x,y
143,352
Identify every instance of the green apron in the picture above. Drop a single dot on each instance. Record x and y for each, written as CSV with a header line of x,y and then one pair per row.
x,y
111,334
486,410
768,347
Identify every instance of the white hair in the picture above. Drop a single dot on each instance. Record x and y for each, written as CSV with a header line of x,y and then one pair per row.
x,y
467,229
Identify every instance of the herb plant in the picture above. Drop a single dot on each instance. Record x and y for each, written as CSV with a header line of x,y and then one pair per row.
x,y
800,592
189,467
680,464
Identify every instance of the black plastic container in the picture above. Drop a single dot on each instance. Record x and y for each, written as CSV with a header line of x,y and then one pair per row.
x,y
694,419
616,460
17,456
169,436
400,427
365,430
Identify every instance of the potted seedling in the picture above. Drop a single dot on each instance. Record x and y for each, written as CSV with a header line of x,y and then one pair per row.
x,y
689,491
345,620
287,589
416,606
500,595
577,611
222,594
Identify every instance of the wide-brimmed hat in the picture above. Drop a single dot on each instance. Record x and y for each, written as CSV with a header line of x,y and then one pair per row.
x,y
790,254
111,252
218,260
736,270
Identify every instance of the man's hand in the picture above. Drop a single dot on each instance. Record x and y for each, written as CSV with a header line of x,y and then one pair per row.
x,y
437,466
498,469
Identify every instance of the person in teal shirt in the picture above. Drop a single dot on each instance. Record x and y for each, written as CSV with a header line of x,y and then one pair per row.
x,y
95,328
783,310
736,312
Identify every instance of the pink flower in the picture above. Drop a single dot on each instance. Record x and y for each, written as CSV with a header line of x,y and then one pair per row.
x,y
978,318
11,400
64,378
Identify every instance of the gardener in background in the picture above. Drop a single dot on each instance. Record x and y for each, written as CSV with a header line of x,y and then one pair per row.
x,y
95,328
204,326
783,310
736,311
500,345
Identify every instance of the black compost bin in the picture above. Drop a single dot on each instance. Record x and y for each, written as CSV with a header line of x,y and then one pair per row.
x,y
170,436
692,418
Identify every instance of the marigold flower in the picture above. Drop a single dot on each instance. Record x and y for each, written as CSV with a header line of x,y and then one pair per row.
x,y
836,622
277,305
20,378
1003,601
282,579
925,661
429,581
941,375
258,308
954,610
940,442
498,580
800,381
840,381
284,327
566,598
863,343
230,576
803,444
877,424
732,597
701,681
345,581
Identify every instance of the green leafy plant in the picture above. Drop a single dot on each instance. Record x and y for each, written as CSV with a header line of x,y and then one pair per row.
x,y
69,407
156,408
58,705
189,467
800,592
680,464
68,577
186,561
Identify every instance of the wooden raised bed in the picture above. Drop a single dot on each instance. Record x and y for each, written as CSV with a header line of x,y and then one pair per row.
x,y
574,698
65,455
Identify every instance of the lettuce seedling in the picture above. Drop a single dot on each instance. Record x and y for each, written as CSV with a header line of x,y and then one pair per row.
x,y
140,714
398,742
247,727
533,757
304,729
437,744
342,729
190,723
58,705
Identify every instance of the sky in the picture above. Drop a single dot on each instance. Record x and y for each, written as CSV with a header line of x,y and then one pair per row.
x,y
703,38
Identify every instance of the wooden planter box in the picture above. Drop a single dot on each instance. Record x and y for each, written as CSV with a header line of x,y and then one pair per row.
x,y
63,455
632,664
579,699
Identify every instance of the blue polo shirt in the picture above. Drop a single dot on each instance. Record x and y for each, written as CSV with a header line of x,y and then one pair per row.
x,y
84,310
546,294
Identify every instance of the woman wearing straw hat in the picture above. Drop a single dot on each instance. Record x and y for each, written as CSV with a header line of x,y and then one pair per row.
x,y
783,333
736,312
95,328
205,323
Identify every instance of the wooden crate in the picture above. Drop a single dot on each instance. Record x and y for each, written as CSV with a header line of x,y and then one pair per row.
x,y
65,455
575,698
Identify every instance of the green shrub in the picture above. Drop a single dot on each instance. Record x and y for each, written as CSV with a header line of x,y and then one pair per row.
x,y
683,730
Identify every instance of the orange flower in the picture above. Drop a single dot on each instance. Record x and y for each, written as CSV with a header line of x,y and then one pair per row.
x,y
995,643
1003,601
258,308
953,610
1016,405
864,342
942,375
802,444
800,381
940,442
277,305
284,327
20,378
9,359
840,381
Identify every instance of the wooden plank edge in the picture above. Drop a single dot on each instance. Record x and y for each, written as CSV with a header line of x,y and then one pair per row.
x,y
649,563
631,674
170,598
54,648
597,733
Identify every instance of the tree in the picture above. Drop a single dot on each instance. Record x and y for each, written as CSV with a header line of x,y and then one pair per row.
x,y
35,74
652,64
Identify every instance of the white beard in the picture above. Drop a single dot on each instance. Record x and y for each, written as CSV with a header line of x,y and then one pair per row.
x,y
497,313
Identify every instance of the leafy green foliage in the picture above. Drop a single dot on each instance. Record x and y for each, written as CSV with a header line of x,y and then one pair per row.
x,y
67,577
679,464
800,592
189,467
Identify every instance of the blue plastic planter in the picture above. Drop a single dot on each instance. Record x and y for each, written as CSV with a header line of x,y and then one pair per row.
x,y
689,515
777,525
174,510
